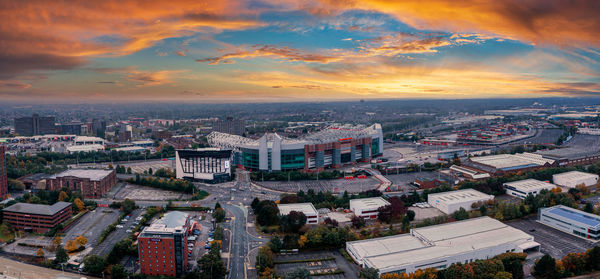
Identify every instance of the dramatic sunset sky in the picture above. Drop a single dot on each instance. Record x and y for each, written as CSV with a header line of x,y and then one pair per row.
x,y
295,50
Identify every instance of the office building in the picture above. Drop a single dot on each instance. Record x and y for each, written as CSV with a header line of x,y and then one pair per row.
x,y
162,246
523,188
3,176
35,125
210,165
91,183
572,221
449,202
333,147
573,178
99,127
499,165
309,210
440,246
230,126
37,218
71,128
367,208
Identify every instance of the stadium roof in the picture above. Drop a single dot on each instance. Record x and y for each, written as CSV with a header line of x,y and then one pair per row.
x,y
285,209
375,202
529,185
37,209
92,174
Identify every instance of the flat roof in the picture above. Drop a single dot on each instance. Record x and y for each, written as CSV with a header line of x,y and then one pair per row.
x,y
512,161
437,242
574,175
38,209
460,196
529,185
307,207
375,202
171,222
575,215
92,174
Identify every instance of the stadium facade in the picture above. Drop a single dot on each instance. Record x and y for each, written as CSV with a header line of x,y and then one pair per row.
x,y
333,147
210,165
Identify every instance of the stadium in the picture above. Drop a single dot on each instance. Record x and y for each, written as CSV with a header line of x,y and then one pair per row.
x,y
335,146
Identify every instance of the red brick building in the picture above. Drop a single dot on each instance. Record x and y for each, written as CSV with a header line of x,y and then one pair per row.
x,y
89,182
3,178
37,218
163,248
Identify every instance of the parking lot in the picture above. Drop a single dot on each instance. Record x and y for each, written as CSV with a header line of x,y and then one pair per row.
x,y
144,193
425,213
29,246
332,185
117,235
317,262
91,225
553,242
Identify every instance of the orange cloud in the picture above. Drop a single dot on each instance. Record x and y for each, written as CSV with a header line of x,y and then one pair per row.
x,y
286,53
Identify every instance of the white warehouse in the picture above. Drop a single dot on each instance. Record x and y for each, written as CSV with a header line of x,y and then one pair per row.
x,y
367,207
440,246
312,215
523,188
574,178
449,202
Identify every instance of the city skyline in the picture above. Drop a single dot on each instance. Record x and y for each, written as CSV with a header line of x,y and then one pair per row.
x,y
271,51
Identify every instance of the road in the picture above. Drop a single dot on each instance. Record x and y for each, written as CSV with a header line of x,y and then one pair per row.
x,y
117,235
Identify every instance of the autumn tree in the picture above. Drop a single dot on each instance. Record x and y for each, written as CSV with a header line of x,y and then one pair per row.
x,y
62,196
40,252
81,240
79,204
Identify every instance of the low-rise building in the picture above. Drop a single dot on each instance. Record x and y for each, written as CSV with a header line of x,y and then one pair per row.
x,y
162,246
499,165
449,202
523,188
367,207
37,218
440,246
574,178
309,210
572,221
91,183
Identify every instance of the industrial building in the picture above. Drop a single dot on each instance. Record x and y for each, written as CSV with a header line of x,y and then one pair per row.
x,y
91,183
37,218
210,165
367,208
572,221
309,210
449,202
464,172
523,188
35,125
3,175
333,147
499,165
440,246
574,178
162,246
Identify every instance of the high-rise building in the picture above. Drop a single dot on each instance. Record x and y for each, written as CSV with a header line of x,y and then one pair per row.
x,y
73,128
99,127
35,125
163,247
3,178
230,126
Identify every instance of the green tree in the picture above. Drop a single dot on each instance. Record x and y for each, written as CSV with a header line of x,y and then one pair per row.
x,y
211,266
117,271
411,215
128,206
219,215
217,205
369,273
460,214
61,256
94,264
292,222
593,258
545,267
275,244
298,273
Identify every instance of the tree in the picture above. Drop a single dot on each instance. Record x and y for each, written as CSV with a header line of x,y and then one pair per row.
x,y
483,210
219,215
71,245
217,205
292,222
81,240
264,258
275,244
298,273
574,263
589,208
460,214
40,252
62,196
61,256
211,266
150,171
128,206
369,273
79,204
357,222
411,215
593,258
267,214
254,204
128,170
94,264
117,271
545,267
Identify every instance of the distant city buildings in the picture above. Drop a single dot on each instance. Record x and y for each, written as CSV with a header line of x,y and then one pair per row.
x,y
35,125
230,126
210,165
73,128
37,218
91,183
3,177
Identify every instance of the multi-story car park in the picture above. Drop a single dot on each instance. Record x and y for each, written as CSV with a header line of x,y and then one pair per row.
x,y
440,246
449,202
309,210
523,188
163,245
570,220
367,207
573,178
211,165
91,183
333,147
37,218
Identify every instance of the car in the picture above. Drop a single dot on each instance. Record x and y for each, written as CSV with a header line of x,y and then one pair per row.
x,y
210,239
119,226
207,246
128,231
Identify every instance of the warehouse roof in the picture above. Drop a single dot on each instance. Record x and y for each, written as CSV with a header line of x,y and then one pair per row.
x,y
285,209
38,209
529,185
375,202
572,175
92,174
512,161
575,215
437,242
460,196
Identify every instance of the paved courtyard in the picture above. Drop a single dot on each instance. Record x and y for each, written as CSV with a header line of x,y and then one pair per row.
x,y
145,193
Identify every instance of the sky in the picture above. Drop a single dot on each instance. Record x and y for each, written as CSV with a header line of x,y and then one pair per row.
x,y
296,50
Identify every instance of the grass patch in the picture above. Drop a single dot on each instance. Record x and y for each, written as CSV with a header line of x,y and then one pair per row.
x,y
346,255
305,260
